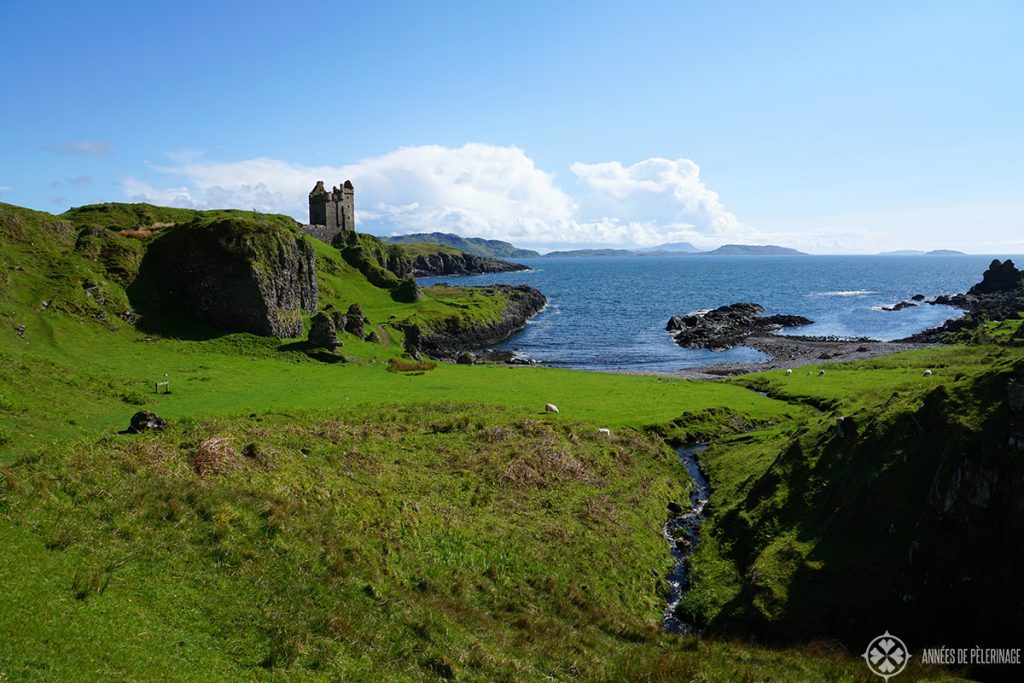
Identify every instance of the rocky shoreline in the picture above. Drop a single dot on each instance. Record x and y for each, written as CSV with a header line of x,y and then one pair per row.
x,y
788,352
726,327
524,302
443,264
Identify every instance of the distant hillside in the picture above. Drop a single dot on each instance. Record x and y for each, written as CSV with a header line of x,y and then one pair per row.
x,y
476,246
753,250
592,252
944,252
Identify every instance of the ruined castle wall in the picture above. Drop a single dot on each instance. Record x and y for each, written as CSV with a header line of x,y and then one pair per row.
x,y
322,232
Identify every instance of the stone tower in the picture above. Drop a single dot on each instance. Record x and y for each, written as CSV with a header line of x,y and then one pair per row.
x,y
331,212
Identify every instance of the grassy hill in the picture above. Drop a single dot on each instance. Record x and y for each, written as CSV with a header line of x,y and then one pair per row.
x,y
477,246
384,519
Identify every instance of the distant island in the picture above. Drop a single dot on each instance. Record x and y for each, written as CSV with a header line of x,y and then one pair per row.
x,y
753,250
920,252
677,250
672,248
497,249
476,246
592,252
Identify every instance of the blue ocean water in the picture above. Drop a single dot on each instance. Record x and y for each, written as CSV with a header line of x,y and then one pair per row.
x,y
609,313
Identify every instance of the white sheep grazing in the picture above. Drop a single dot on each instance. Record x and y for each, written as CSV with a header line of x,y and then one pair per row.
x,y
551,408
927,373
821,373
604,431
789,372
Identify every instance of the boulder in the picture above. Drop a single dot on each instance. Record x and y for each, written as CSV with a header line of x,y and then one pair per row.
x,y
322,332
355,320
144,420
372,337
899,306
466,358
675,508
917,297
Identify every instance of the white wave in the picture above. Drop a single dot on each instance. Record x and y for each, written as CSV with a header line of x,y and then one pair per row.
x,y
846,292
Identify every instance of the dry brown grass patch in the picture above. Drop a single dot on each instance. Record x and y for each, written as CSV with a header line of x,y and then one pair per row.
x,y
215,455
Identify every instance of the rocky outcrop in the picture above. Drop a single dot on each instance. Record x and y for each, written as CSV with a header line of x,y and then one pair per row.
x,y
457,335
999,296
899,306
445,263
727,326
355,321
239,275
322,332
1000,277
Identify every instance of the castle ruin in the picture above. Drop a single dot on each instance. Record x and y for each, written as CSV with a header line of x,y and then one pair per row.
x,y
332,213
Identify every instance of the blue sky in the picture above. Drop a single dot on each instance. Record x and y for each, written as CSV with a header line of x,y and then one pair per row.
x,y
852,127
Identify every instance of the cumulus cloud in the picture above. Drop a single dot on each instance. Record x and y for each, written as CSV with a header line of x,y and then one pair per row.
x,y
77,148
473,190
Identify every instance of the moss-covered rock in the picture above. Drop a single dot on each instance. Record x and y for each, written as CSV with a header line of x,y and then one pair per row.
x,y
236,274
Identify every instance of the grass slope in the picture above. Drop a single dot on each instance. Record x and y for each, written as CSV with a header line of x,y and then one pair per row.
x,y
404,543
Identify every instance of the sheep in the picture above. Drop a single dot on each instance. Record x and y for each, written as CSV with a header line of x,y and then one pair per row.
x,y
551,408
604,431
927,373
821,373
789,371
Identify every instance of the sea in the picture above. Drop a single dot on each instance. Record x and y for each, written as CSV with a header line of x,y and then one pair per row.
x,y
609,313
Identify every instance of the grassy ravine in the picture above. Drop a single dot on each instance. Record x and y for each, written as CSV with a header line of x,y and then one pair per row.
x,y
304,520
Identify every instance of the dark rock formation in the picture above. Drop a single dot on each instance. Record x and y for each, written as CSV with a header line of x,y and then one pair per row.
x,y
145,420
1015,396
355,320
999,296
675,508
917,297
444,263
727,326
466,358
899,306
1000,277
322,332
523,302
235,274
372,337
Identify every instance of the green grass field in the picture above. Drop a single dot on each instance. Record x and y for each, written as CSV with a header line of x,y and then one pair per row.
x,y
303,520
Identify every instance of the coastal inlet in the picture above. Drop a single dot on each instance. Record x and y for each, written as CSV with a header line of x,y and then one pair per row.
x,y
681,531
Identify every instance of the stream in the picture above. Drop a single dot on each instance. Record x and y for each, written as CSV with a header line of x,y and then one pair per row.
x,y
681,533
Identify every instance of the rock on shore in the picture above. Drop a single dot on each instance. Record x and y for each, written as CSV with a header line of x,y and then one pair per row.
x,y
727,326
999,296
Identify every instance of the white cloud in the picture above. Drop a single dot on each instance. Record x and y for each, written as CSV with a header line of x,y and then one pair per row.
x,y
480,190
